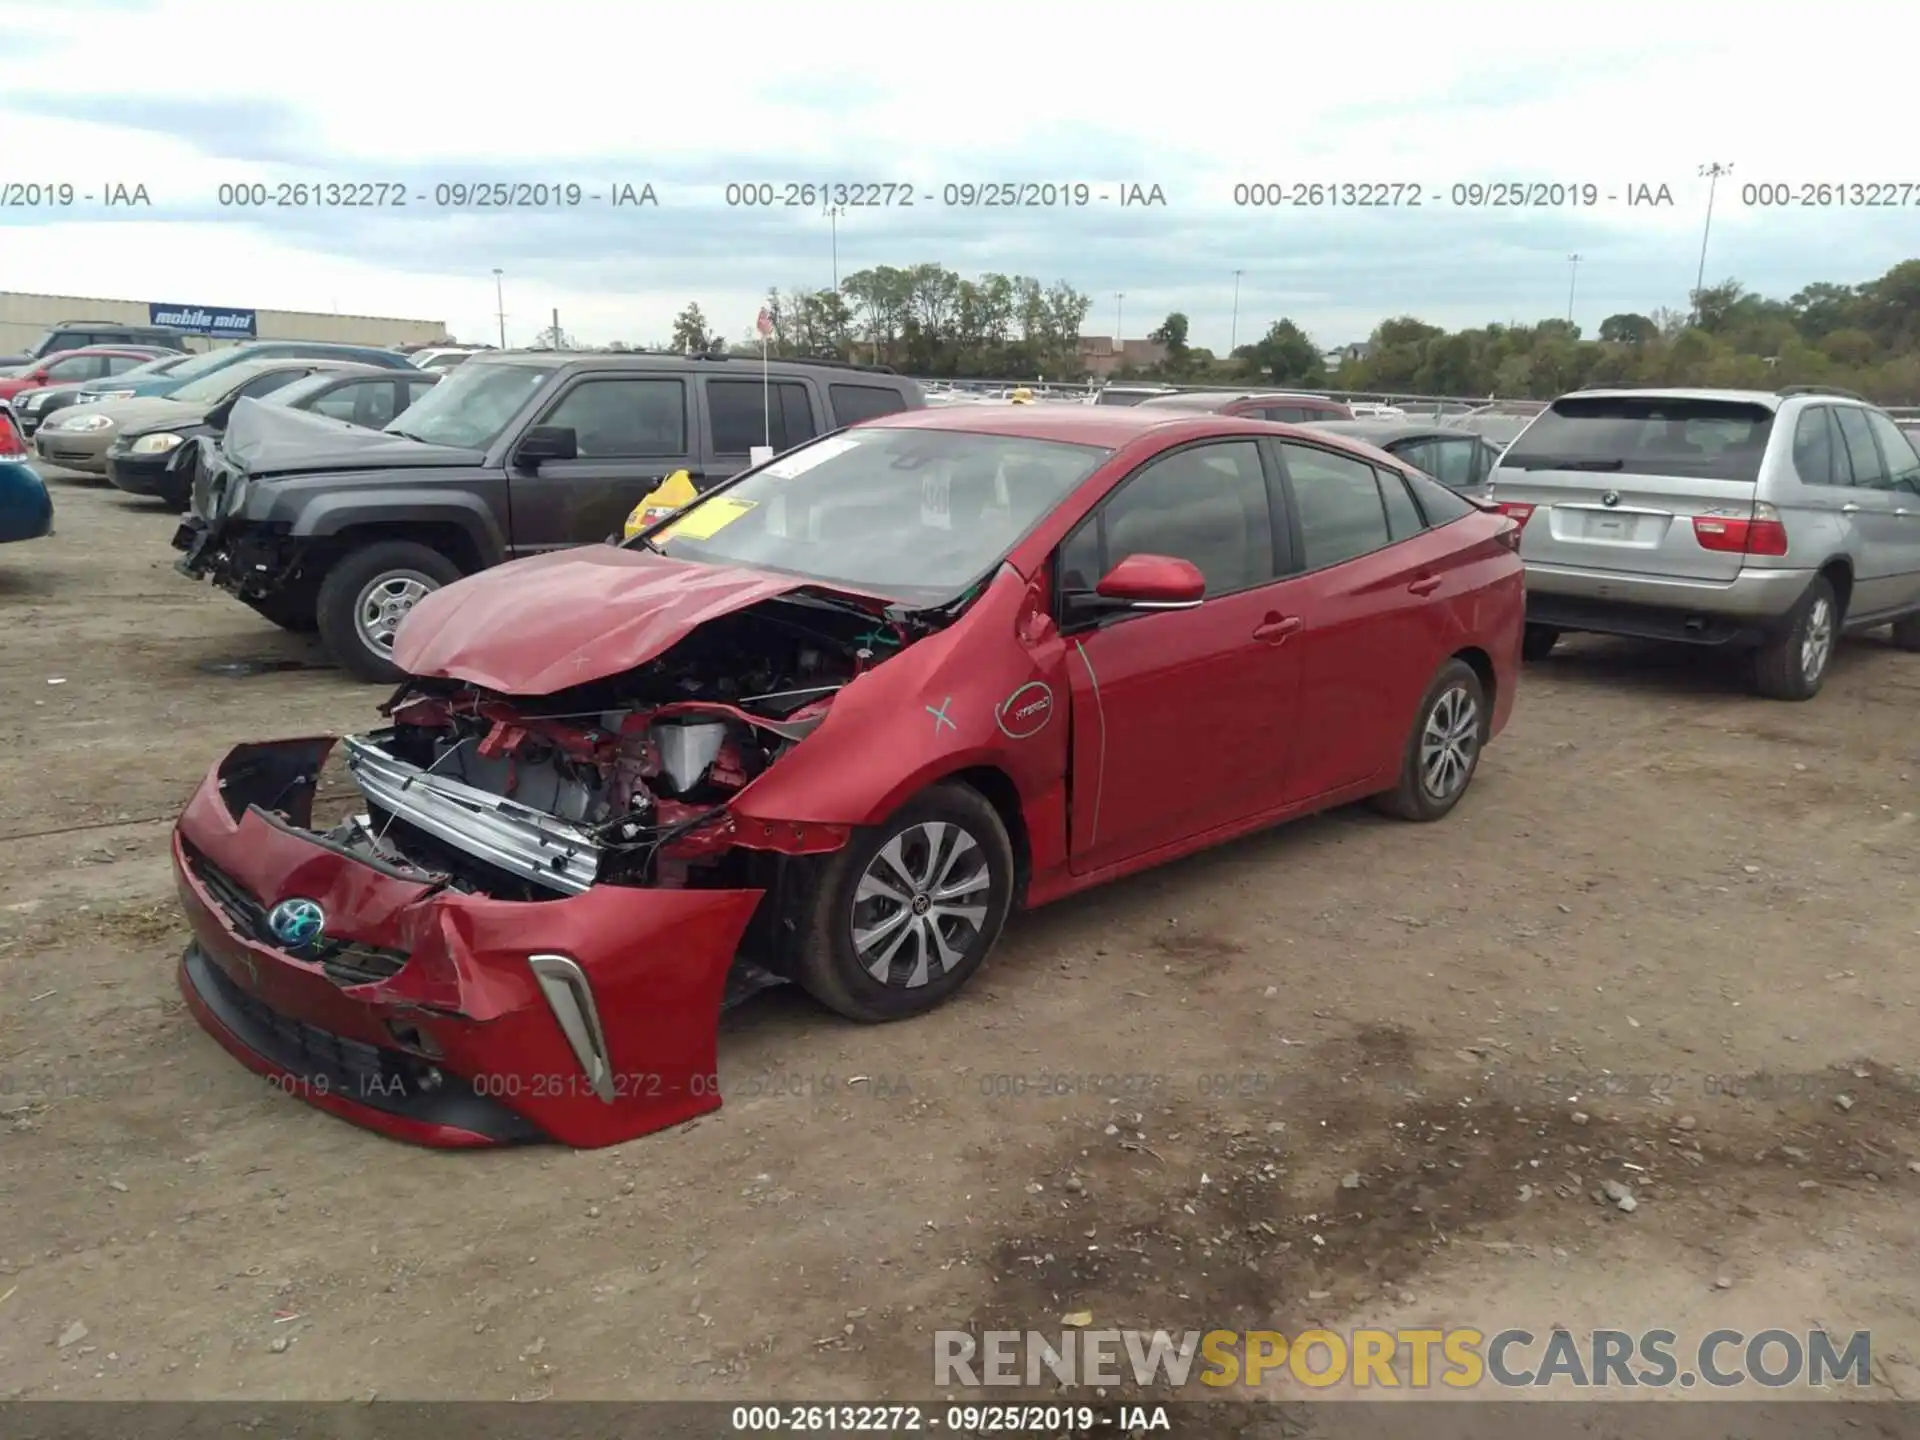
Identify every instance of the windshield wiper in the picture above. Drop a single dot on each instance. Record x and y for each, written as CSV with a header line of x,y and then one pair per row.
x,y
408,435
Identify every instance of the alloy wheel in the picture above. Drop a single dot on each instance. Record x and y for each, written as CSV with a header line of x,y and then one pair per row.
x,y
384,603
1816,646
921,904
1449,742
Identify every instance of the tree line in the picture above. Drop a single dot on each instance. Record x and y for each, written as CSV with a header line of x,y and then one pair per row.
x,y
927,320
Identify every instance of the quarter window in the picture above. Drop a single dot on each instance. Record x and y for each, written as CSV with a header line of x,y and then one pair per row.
x,y
854,403
626,419
1817,456
1403,516
1339,506
1206,505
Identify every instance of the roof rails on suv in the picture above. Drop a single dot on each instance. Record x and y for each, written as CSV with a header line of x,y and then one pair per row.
x,y
1821,390
702,356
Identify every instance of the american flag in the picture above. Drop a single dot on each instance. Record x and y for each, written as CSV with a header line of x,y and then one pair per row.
x,y
764,323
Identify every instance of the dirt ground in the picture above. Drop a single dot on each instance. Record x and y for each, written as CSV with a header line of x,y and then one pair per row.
x,y
1350,1072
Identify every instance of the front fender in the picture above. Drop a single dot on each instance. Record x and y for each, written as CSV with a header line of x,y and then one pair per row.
x,y
325,515
945,704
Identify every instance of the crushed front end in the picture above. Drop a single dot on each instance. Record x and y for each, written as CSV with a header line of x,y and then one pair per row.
x,y
530,923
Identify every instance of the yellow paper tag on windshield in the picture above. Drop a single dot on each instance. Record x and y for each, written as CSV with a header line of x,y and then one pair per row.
x,y
707,520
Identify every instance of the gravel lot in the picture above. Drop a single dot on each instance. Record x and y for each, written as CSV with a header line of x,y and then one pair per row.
x,y
1348,1072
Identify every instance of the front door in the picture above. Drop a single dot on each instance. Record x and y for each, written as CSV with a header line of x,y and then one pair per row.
x,y
632,432
1901,465
1182,720
1843,479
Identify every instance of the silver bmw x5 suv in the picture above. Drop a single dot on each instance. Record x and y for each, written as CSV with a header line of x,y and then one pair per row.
x,y
1772,520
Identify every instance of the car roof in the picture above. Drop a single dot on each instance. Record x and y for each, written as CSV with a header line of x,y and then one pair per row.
x,y
1382,432
1207,399
1111,427
148,352
730,365
1766,399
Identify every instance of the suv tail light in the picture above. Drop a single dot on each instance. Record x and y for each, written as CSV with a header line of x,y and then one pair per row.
x,y
1764,534
1515,510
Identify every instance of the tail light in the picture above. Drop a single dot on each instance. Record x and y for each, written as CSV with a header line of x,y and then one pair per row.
x,y
1515,510
1763,534
11,444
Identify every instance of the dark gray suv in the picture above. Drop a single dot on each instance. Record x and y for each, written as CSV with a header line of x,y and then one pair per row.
x,y
321,526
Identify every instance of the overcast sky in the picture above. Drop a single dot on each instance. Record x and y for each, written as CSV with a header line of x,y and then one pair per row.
x,y
183,96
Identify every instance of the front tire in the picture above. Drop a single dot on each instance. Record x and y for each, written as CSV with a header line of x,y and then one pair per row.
x,y
1537,642
1792,663
366,595
905,914
1906,632
1443,752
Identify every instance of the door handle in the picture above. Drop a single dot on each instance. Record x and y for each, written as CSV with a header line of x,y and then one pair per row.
x,y
1277,628
1425,585
1849,509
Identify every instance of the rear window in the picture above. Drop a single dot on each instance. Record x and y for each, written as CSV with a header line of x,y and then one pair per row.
x,y
854,403
1646,435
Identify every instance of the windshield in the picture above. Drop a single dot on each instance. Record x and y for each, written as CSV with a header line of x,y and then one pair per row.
x,y
166,365
202,364
1646,435
472,405
300,389
218,385
915,515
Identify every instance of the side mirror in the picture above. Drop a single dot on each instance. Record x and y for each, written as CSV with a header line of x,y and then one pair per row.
x,y
546,442
1144,582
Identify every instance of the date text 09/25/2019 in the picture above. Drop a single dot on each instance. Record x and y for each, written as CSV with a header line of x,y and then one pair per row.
x,y
948,195
1459,195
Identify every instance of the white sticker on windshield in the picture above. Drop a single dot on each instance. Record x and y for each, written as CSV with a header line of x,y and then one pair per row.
x,y
936,513
802,461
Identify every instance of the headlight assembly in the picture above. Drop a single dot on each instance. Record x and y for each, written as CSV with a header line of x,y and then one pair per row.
x,y
87,422
157,444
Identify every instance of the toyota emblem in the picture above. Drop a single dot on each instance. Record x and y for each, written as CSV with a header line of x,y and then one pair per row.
x,y
1612,497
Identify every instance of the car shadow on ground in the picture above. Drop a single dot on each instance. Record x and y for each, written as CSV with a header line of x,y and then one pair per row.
x,y
1675,671
26,584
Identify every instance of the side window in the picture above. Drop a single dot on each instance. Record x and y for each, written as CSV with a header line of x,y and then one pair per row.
x,y
1858,438
1903,464
1422,455
267,384
1815,449
1340,511
340,404
120,364
377,405
1404,519
743,416
1206,504
854,403
626,419
77,367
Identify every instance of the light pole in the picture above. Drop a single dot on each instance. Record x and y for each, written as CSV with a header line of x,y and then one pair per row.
x,y
1119,330
1713,173
1233,343
834,212
500,306
1573,279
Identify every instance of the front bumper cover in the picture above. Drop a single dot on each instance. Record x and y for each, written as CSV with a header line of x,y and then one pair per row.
x,y
439,1016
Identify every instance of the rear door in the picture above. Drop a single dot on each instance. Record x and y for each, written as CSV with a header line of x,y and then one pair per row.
x,y
742,413
1901,462
1373,578
1616,481
632,430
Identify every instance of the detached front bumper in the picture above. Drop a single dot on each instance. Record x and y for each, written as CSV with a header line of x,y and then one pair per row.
x,y
439,1016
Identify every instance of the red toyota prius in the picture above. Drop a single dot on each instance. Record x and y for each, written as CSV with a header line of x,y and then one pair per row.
x,y
829,725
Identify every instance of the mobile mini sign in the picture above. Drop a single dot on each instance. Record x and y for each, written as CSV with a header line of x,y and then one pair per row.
x,y
202,320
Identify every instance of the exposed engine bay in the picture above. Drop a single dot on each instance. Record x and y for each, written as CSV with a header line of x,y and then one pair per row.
x,y
624,780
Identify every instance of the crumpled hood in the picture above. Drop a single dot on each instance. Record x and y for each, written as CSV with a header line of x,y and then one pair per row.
x,y
550,622
279,440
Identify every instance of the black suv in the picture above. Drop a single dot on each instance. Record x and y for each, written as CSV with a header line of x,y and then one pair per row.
x,y
79,334
317,526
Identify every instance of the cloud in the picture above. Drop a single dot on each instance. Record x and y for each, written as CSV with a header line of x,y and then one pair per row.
x,y
1202,107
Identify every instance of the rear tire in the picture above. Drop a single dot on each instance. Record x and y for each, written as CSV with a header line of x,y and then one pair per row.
x,y
923,950
1538,642
364,597
1792,664
1443,752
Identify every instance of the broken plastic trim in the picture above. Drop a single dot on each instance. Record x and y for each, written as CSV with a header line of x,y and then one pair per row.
x,y
570,997
516,838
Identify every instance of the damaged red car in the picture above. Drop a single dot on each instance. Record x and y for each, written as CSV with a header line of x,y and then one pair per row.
x,y
829,725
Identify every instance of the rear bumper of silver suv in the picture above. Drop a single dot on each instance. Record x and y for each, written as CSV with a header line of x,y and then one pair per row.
x,y
1746,608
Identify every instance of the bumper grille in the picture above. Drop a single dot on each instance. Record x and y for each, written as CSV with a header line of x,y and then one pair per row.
x,y
346,962
322,1050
